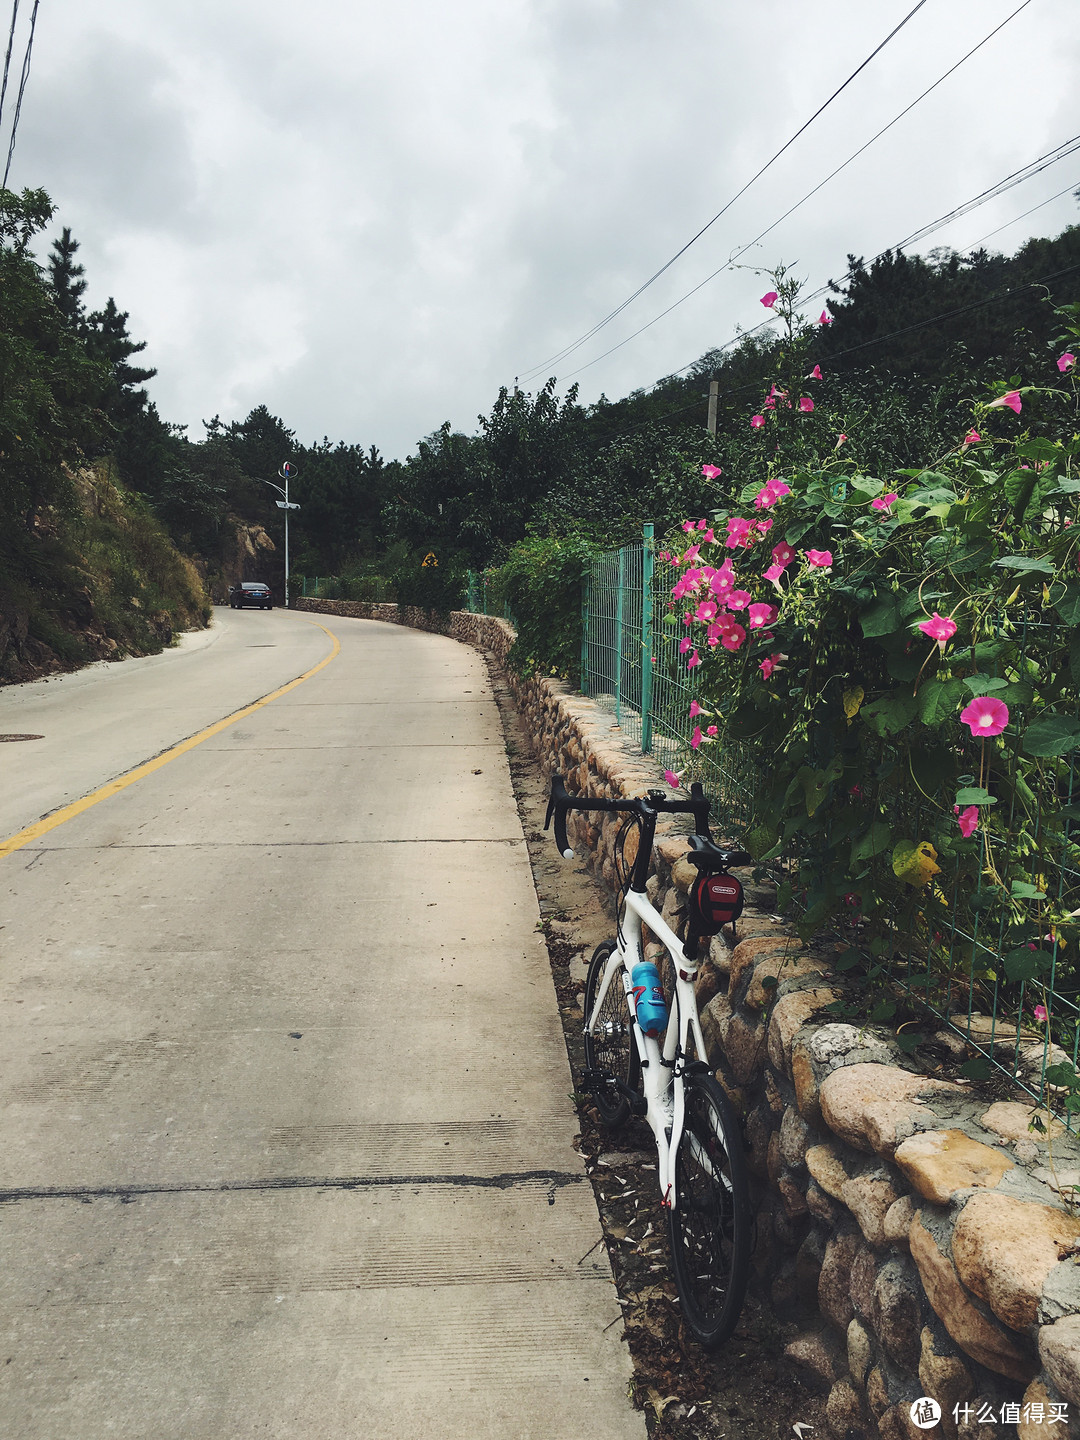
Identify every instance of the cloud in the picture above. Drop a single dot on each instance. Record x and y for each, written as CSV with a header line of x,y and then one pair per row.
x,y
368,217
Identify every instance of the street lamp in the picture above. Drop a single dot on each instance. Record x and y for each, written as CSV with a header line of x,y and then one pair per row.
x,y
286,472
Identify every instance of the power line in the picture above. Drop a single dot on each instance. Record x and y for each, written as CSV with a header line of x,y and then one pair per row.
x,y
22,88
7,57
877,340
568,350
966,249
1060,152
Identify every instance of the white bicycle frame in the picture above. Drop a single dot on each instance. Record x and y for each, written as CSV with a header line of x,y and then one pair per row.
x,y
660,1065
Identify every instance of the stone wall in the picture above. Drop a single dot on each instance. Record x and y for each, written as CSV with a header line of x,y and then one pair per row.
x,y
916,1231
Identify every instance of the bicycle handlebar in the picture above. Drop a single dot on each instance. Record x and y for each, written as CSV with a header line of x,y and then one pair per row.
x,y
645,807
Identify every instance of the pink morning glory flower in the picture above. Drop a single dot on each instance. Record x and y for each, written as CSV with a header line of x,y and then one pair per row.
x,y
673,779
769,494
1012,400
695,738
707,611
774,573
695,710
939,627
761,614
1066,362
739,533
825,318
711,472
770,299
695,659
821,558
768,665
689,525
968,820
885,502
972,438
713,730
815,373
733,637
738,599
757,421
1041,1014
783,553
684,645
806,404
766,525
840,440
984,716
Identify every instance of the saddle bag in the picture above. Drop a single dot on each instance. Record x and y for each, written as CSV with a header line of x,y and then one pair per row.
x,y
715,901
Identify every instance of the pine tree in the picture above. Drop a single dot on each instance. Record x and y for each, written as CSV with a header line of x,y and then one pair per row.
x,y
66,280
107,339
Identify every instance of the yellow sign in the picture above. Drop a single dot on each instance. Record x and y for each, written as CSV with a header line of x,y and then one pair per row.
x,y
428,560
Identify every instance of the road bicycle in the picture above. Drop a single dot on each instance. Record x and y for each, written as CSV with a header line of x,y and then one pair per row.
x,y
640,1063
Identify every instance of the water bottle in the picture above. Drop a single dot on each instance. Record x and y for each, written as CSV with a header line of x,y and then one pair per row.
x,y
651,1007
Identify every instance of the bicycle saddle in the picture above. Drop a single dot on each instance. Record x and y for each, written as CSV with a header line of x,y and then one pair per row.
x,y
712,858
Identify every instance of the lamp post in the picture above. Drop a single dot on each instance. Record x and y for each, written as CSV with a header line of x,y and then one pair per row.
x,y
286,472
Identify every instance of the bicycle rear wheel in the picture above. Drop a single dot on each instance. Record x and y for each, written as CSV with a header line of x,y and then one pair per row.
x,y
610,1050
710,1226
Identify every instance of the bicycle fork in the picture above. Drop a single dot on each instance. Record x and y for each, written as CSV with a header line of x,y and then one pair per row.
x,y
664,1100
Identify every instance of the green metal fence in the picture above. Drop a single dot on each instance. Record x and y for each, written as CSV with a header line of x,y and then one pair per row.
x,y
375,588
631,665
484,597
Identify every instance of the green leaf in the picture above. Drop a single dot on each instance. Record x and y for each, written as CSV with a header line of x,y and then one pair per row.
x,y
1022,890
1025,562
882,618
1068,606
984,684
972,795
1019,488
1063,1073
978,1068
761,841
866,485
1025,964
876,841
939,701
1067,486
1051,735
909,1041
890,714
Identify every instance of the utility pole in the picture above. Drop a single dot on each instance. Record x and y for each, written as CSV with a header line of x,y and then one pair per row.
x,y
286,472
714,392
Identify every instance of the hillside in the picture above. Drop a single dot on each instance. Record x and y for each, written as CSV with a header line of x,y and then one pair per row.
x,y
98,580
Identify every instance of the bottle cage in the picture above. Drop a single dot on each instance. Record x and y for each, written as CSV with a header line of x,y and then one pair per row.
x,y
715,901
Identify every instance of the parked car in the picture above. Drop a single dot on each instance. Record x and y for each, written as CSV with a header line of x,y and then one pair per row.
x,y
250,592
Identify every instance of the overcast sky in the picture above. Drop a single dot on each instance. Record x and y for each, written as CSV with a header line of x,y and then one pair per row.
x,y
369,216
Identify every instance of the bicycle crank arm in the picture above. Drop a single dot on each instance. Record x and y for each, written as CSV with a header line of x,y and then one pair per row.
x,y
594,1081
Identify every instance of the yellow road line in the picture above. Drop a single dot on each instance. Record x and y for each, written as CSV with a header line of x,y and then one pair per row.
x,y
35,832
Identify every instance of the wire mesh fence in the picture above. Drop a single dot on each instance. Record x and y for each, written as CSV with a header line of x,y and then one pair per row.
x,y
375,588
632,665
484,595
954,961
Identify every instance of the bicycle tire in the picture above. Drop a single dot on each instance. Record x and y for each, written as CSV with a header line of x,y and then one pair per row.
x,y
710,1228
610,1054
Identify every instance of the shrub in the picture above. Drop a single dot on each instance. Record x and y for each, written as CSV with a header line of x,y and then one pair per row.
x,y
541,581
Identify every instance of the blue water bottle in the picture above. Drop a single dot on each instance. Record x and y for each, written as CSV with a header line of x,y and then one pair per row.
x,y
651,1007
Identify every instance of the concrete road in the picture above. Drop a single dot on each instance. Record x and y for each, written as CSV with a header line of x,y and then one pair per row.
x,y
285,1142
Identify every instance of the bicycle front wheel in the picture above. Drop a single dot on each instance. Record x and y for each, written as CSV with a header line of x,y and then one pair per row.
x,y
710,1226
610,1049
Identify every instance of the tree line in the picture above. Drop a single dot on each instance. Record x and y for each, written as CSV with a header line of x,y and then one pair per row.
x,y
908,341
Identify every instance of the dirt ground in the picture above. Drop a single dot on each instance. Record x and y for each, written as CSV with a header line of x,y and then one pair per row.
x,y
747,1389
